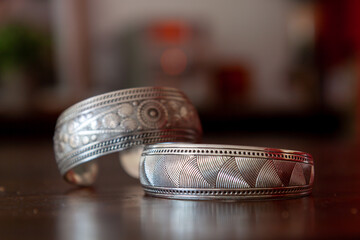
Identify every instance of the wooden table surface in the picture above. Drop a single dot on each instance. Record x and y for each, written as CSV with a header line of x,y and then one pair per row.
x,y
35,203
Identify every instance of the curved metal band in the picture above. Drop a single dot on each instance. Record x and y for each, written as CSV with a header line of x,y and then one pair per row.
x,y
119,120
203,171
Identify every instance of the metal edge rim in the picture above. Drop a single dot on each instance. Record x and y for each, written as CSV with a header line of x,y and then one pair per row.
x,y
171,193
224,147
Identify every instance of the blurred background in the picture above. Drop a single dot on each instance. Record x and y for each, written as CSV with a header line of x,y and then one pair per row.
x,y
250,66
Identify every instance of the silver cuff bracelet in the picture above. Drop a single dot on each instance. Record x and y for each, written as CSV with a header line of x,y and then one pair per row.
x,y
202,171
118,121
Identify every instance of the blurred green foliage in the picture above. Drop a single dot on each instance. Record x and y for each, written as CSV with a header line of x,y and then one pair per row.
x,y
23,48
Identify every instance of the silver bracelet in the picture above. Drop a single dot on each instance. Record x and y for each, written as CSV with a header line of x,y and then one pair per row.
x,y
203,171
118,121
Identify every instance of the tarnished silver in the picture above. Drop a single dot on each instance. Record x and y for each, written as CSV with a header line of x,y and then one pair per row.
x,y
118,121
207,171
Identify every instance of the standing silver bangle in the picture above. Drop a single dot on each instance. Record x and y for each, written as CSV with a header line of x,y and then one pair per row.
x,y
117,121
203,171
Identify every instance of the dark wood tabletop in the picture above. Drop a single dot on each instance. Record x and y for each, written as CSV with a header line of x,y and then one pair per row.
x,y
36,203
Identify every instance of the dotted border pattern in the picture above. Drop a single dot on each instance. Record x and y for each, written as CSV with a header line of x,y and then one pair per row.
x,y
132,138
211,193
234,152
121,96
120,143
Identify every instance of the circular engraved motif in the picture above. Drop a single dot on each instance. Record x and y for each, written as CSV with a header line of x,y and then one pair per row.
x,y
66,138
183,112
173,105
152,114
72,126
128,125
94,125
125,110
82,118
85,140
74,141
111,120
120,120
60,146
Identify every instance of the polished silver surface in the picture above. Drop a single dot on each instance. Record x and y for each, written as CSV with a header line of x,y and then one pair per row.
x,y
120,120
130,160
204,171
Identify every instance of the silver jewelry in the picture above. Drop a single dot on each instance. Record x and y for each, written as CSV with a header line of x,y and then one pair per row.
x,y
204,171
117,121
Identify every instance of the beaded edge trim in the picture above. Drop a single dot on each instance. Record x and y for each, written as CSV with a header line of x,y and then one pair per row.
x,y
122,142
233,152
214,193
120,96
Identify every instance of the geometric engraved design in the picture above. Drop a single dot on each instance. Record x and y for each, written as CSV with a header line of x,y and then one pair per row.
x,y
209,167
311,181
190,175
149,165
268,176
162,178
297,176
230,176
250,169
185,171
307,172
193,170
122,119
173,168
284,170
143,176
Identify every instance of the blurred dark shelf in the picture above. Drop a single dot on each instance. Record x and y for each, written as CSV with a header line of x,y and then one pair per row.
x,y
318,123
41,125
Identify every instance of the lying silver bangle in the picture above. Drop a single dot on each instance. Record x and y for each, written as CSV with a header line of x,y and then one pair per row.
x,y
118,121
203,171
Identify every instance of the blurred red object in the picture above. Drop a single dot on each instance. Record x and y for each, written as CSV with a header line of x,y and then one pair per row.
x,y
233,81
170,32
338,30
339,39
